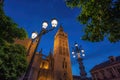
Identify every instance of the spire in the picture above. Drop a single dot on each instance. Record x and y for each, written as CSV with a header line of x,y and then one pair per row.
x,y
50,52
60,28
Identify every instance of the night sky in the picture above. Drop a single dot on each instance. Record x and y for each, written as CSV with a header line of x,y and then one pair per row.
x,y
30,14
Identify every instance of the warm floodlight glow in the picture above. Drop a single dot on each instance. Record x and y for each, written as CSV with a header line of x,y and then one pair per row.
x,y
54,23
44,25
34,35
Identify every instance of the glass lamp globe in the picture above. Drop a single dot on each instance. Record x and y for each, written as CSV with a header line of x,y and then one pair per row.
x,y
44,25
74,56
76,44
83,54
54,23
73,52
82,51
34,35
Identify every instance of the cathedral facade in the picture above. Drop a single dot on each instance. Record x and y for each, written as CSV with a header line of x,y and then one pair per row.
x,y
55,66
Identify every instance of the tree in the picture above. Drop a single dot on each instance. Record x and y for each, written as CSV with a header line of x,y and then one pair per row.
x,y
13,61
9,29
100,17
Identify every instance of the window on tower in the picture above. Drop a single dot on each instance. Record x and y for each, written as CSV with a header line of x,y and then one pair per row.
x,y
63,51
60,50
65,64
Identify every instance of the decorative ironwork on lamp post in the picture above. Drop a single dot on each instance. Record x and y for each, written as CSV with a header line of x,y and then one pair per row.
x,y
34,35
78,52
38,37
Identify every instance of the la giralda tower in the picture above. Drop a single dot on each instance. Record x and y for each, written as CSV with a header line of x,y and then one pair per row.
x,y
62,64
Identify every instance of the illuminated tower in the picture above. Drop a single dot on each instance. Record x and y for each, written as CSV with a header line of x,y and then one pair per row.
x,y
62,64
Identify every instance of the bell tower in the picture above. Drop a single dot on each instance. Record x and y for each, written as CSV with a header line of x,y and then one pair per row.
x,y
62,64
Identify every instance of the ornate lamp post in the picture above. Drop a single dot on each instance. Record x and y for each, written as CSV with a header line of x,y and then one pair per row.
x,y
38,37
78,53
34,35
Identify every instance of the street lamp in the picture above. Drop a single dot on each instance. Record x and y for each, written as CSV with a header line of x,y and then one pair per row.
x,y
78,52
38,37
33,36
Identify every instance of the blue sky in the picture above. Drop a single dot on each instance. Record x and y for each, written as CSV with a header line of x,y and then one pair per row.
x,y
30,14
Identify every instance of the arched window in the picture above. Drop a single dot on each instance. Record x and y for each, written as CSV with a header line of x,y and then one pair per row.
x,y
111,72
118,69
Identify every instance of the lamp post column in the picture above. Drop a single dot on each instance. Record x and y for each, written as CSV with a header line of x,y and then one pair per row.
x,y
38,37
79,52
82,69
28,72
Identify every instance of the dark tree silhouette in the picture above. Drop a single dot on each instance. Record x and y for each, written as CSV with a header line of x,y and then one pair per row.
x,y
100,17
12,56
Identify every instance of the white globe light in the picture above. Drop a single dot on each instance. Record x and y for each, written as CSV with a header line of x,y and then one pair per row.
x,y
34,35
54,23
83,54
74,56
82,51
73,52
76,44
44,25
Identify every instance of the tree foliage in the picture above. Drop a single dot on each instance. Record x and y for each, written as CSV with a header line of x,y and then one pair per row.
x,y
12,56
12,61
9,29
100,17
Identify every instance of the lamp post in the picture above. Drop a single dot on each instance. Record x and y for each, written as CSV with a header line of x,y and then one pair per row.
x,y
34,35
38,37
78,53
